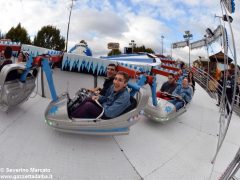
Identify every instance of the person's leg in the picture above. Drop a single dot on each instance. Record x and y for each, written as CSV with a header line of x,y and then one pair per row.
x,y
179,105
87,109
173,101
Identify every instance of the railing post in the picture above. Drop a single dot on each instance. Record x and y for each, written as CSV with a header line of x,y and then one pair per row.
x,y
95,80
42,83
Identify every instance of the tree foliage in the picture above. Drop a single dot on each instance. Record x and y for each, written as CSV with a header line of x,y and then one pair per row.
x,y
18,34
49,37
142,49
114,52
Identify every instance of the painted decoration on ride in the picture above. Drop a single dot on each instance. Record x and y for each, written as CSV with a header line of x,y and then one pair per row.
x,y
82,49
80,63
36,51
10,43
136,67
165,107
16,46
53,110
137,62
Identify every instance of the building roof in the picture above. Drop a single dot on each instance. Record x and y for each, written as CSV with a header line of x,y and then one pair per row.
x,y
219,57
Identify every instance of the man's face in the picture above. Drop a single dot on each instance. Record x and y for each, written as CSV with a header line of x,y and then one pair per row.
x,y
119,82
171,79
20,57
111,71
180,72
228,74
185,83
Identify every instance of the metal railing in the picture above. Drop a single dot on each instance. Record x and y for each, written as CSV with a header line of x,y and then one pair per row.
x,y
213,88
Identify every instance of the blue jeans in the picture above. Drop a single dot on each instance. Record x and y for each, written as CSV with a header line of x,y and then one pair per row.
x,y
177,103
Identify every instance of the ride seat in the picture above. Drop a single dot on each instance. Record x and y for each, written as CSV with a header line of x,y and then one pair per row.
x,y
132,105
12,75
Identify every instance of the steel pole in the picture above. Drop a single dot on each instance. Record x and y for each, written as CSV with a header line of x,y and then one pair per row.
x,y
189,55
69,18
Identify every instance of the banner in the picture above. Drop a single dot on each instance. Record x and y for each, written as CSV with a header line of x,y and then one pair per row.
x,y
217,33
180,44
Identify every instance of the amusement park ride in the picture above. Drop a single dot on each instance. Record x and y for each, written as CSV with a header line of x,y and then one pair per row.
x,y
17,82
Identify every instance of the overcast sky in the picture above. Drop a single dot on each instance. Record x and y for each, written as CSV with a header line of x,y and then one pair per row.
x,y
102,21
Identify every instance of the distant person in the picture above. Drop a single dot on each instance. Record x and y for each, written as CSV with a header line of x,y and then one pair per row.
x,y
183,95
21,57
191,80
116,100
220,86
238,90
7,57
184,70
229,90
180,77
81,48
232,71
168,87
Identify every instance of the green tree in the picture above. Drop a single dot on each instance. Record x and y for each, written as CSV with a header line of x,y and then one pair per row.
x,y
49,37
142,49
18,34
114,52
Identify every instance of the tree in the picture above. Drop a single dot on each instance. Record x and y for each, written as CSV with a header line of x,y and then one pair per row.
x,y
49,37
114,52
142,49
18,34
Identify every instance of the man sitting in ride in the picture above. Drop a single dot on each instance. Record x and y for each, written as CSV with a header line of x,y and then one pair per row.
x,y
180,77
111,72
168,87
183,95
116,100
83,93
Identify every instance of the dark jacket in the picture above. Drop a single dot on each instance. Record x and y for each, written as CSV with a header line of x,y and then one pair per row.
x,y
169,88
107,84
8,61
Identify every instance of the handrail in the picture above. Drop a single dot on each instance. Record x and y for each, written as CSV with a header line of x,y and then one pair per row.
x,y
203,79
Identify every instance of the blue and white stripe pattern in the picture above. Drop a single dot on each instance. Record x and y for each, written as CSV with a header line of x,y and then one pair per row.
x,y
10,43
81,62
36,51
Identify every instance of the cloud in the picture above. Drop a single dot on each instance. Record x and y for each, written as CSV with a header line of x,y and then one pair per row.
x,y
100,22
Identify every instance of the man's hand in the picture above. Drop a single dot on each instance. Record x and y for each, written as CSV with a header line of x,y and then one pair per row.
x,y
94,98
164,93
94,89
179,97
